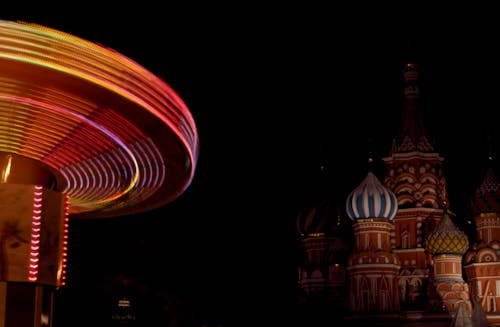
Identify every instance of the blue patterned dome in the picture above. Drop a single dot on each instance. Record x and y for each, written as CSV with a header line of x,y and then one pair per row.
x,y
371,199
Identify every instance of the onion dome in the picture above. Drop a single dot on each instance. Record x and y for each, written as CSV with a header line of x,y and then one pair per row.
x,y
316,218
321,217
446,238
371,199
486,199
320,214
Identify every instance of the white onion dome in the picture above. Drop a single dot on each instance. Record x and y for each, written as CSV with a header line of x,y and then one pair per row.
x,y
371,199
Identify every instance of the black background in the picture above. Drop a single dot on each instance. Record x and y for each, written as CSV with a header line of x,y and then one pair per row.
x,y
268,87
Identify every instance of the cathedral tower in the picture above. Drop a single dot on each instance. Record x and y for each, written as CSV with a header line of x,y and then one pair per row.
x,y
373,268
447,244
325,241
482,261
416,178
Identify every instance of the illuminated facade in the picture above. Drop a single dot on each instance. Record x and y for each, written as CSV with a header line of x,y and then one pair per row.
x,y
407,268
373,268
84,133
447,245
482,261
415,176
326,238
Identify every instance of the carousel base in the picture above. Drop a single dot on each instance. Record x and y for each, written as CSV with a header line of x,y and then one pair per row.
x,y
25,304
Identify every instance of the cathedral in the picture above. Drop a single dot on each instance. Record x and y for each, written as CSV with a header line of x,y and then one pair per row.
x,y
393,254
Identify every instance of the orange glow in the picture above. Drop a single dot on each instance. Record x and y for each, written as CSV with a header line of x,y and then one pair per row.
x,y
121,139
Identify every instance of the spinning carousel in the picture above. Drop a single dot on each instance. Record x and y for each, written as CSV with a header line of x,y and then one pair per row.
x,y
84,132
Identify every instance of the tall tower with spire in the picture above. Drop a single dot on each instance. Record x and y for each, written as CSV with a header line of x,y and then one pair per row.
x,y
415,176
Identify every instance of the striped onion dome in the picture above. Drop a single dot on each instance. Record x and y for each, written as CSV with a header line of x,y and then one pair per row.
x,y
486,199
371,199
322,217
446,238
317,218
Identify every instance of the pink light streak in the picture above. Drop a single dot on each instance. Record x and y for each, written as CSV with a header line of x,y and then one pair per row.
x,y
118,135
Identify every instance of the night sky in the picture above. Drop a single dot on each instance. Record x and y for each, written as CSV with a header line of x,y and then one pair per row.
x,y
269,88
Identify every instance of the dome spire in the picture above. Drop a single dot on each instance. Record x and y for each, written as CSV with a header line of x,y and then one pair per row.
x,y
319,214
413,135
444,194
373,162
490,149
370,152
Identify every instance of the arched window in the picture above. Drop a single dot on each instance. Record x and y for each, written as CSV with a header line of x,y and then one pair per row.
x,y
405,240
384,295
491,303
365,295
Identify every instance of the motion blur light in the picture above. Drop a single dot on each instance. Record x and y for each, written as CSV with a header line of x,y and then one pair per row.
x,y
84,132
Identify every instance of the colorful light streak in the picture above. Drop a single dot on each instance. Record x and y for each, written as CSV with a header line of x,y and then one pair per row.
x,y
120,139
